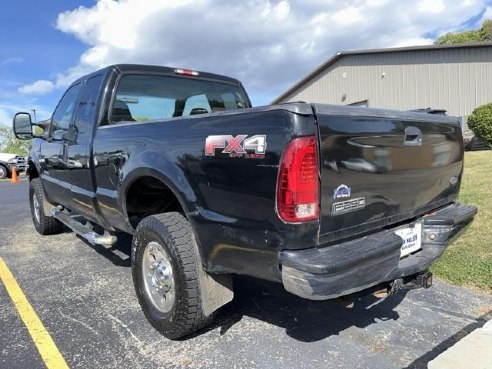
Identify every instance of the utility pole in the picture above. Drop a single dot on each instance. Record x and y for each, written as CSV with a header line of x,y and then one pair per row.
x,y
34,113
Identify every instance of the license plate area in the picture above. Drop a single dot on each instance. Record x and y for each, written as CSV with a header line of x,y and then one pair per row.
x,y
412,238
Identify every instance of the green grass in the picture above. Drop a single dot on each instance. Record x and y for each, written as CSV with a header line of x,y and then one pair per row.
x,y
468,260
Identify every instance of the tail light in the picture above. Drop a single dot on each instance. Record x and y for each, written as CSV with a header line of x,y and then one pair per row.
x,y
298,187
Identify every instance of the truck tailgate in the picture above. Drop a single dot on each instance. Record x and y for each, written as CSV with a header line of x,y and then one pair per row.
x,y
380,167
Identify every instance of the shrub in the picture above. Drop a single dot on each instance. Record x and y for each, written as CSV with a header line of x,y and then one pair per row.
x,y
480,122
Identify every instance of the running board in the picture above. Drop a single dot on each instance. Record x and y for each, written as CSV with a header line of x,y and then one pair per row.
x,y
84,231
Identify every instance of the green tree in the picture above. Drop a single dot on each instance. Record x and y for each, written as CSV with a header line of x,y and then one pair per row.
x,y
10,144
482,34
486,30
480,122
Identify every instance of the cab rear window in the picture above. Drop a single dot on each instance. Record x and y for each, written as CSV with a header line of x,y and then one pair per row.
x,y
152,97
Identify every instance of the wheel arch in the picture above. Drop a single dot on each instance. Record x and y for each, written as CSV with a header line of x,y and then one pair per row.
x,y
32,170
184,197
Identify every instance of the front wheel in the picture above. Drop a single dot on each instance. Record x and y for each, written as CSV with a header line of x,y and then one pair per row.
x,y
44,224
165,275
3,172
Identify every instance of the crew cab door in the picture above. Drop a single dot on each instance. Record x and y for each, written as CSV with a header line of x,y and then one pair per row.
x,y
79,150
53,152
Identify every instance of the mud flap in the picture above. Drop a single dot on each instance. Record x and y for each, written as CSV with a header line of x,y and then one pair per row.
x,y
216,289
48,208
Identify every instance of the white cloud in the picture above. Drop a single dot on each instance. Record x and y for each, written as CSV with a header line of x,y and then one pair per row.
x,y
39,87
268,44
11,60
376,2
347,16
279,11
414,41
432,6
487,14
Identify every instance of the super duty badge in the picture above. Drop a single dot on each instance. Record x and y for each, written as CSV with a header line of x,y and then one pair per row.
x,y
347,206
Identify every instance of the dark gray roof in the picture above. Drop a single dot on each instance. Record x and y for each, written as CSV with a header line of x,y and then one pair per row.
x,y
341,54
143,68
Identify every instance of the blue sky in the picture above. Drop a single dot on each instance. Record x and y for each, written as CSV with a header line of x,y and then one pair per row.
x,y
32,48
267,44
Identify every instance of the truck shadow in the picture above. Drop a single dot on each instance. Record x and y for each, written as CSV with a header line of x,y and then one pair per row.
x,y
303,320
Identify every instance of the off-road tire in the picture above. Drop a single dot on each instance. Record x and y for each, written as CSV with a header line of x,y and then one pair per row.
x,y
173,232
44,224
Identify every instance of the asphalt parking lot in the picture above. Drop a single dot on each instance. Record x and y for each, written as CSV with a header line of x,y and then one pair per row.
x,y
84,296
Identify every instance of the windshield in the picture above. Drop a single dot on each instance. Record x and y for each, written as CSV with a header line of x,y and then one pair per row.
x,y
149,97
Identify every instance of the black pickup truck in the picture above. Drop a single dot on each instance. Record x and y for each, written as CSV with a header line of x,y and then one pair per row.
x,y
327,200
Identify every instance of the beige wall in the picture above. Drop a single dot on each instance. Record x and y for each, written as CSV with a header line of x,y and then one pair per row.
x,y
457,80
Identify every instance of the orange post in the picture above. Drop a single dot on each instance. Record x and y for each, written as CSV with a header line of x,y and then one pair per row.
x,y
15,178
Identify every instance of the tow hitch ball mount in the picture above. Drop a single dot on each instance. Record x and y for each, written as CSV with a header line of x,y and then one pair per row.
x,y
422,280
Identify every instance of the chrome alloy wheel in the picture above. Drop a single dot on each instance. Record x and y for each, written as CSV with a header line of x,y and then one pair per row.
x,y
36,208
158,277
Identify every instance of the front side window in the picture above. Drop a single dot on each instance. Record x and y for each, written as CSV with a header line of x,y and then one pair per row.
x,y
63,115
151,97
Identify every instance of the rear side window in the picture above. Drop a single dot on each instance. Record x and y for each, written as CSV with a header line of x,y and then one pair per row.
x,y
152,97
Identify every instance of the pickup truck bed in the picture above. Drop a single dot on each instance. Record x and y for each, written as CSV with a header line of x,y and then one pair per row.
x,y
328,200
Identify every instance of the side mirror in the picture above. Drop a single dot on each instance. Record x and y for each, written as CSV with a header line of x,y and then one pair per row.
x,y
23,126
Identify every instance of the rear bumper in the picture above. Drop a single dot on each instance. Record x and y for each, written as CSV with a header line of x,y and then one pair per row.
x,y
352,266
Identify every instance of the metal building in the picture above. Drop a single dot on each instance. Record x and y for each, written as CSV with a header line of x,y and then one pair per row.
x,y
457,78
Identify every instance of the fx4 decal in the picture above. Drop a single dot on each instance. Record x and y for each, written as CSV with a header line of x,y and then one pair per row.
x,y
240,146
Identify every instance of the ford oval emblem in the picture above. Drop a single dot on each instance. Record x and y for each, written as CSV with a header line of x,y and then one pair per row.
x,y
342,191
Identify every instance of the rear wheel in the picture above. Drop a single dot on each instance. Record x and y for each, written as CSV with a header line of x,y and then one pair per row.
x,y
165,275
44,224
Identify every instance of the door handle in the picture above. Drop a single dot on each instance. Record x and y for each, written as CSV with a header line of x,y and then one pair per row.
x,y
413,136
